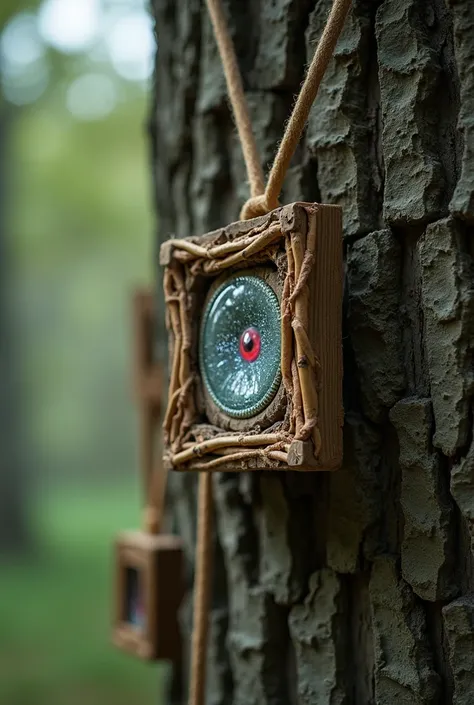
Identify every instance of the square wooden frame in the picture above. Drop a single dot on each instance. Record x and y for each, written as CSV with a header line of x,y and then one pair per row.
x,y
159,561
304,242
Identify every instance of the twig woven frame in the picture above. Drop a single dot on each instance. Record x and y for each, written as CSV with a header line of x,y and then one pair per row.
x,y
304,242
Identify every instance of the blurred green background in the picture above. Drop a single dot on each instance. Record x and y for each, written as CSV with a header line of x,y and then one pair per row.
x,y
76,235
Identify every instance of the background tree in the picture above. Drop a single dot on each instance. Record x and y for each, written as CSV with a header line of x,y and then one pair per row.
x,y
15,533
75,236
352,587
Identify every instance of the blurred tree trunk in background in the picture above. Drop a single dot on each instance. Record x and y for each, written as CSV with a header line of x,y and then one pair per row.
x,y
352,587
14,534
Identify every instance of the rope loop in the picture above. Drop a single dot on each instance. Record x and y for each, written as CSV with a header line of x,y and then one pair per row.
x,y
257,205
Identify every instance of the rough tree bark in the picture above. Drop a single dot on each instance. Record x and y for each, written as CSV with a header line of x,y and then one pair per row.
x,y
353,587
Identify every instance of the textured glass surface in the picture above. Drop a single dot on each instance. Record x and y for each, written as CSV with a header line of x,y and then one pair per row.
x,y
240,346
135,614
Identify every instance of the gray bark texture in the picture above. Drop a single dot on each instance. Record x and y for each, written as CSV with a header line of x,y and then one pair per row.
x,y
356,587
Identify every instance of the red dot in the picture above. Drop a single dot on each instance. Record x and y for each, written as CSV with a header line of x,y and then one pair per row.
x,y
250,344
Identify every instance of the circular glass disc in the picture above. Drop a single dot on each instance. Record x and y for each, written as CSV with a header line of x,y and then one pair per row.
x,y
240,346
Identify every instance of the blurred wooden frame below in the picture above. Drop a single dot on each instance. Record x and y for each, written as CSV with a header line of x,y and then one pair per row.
x,y
148,565
157,562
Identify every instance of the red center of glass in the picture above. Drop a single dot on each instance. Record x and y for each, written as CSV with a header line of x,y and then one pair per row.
x,y
250,344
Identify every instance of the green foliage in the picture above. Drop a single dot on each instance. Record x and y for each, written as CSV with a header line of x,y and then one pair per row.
x,y
79,232
86,183
55,613
81,217
8,8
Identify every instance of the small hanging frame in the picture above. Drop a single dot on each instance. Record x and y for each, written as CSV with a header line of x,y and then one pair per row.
x,y
149,566
302,244
149,573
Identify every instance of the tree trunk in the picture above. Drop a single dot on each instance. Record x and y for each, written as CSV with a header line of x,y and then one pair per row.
x,y
352,587
15,535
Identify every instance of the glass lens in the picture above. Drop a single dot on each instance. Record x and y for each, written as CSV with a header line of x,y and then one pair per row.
x,y
240,346
135,615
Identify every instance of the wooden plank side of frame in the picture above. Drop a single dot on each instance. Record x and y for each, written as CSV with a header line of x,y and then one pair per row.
x,y
325,330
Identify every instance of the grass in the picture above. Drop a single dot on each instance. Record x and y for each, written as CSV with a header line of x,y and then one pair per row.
x,y
55,610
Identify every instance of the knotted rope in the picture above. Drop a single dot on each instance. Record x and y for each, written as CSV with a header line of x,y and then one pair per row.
x,y
263,200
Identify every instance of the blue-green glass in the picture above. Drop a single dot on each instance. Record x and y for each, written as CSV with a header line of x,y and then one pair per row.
x,y
239,387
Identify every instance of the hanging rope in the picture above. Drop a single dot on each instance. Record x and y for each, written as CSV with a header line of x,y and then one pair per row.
x,y
155,506
259,205
237,97
262,201
148,382
202,591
